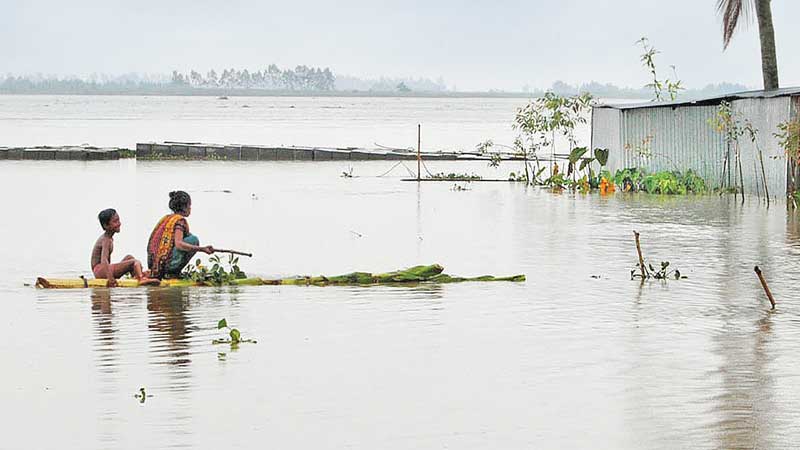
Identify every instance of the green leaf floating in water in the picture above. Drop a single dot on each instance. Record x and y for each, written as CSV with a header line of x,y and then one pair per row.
x,y
236,336
222,324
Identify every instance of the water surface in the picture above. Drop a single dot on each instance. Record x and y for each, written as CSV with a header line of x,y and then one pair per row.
x,y
561,361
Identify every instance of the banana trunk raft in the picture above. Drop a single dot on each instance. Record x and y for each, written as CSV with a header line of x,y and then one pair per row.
x,y
417,274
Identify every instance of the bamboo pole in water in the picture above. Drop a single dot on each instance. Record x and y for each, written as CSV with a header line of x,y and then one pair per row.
x,y
639,251
764,285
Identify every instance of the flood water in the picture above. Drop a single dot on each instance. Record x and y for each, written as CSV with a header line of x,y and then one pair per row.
x,y
452,124
579,356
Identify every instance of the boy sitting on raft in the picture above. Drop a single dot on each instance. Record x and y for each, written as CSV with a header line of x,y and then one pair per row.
x,y
101,253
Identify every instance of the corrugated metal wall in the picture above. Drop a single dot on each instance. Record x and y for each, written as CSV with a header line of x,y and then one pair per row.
x,y
684,138
676,139
606,132
765,114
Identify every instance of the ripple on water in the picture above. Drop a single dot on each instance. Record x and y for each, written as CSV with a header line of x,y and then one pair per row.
x,y
697,363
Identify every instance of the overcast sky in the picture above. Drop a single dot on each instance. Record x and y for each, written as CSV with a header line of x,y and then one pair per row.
x,y
472,45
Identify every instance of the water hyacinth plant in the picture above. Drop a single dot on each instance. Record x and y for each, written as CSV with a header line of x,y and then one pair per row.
x,y
234,334
216,274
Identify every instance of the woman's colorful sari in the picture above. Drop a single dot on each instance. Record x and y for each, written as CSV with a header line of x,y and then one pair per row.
x,y
162,242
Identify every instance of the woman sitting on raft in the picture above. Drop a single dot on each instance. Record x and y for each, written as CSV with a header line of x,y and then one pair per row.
x,y
171,245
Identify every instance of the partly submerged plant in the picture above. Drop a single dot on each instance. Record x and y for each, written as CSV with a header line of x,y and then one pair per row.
x,y
142,395
647,271
663,273
217,274
455,176
235,335
664,182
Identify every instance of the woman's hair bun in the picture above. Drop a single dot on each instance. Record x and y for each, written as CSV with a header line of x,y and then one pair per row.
x,y
179,200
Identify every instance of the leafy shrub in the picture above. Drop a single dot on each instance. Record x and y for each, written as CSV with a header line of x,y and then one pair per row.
x,y
663,182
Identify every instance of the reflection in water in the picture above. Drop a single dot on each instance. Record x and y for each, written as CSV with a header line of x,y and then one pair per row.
x,y
744,389
792,227
106,357
104,324
420,238
169,327
745,405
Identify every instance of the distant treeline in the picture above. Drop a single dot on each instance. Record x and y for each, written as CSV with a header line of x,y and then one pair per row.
x,y
304,80
301,78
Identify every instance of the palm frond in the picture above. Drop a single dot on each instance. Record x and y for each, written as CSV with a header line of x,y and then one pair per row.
x,y
731,12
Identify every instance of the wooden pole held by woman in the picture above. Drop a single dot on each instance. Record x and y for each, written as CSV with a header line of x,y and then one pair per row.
x,y
233,252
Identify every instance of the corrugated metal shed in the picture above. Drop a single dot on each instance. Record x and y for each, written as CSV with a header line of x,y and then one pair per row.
x,y
679,136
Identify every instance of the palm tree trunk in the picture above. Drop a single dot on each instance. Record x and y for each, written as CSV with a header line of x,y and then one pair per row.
x,y
769,60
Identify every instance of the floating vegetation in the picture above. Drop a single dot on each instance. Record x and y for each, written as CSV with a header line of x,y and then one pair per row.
x,y
217,274
441,176
233,333
417,274
522,178
661,274
142,395
647,271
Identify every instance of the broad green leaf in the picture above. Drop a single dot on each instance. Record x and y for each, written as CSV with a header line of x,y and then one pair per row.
x,y
235,335
222,324
577,153
601,154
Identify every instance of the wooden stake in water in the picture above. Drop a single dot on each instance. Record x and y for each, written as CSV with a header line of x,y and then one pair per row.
x,y
639,251
419,150
764,285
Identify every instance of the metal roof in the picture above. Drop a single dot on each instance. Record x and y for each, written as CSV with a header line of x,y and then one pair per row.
x,y
715,100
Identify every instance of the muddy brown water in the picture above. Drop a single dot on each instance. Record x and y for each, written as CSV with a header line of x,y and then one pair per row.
x,y
563,360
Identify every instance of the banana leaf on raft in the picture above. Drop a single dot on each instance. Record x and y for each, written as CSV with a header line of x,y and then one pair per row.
x,y
418,274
